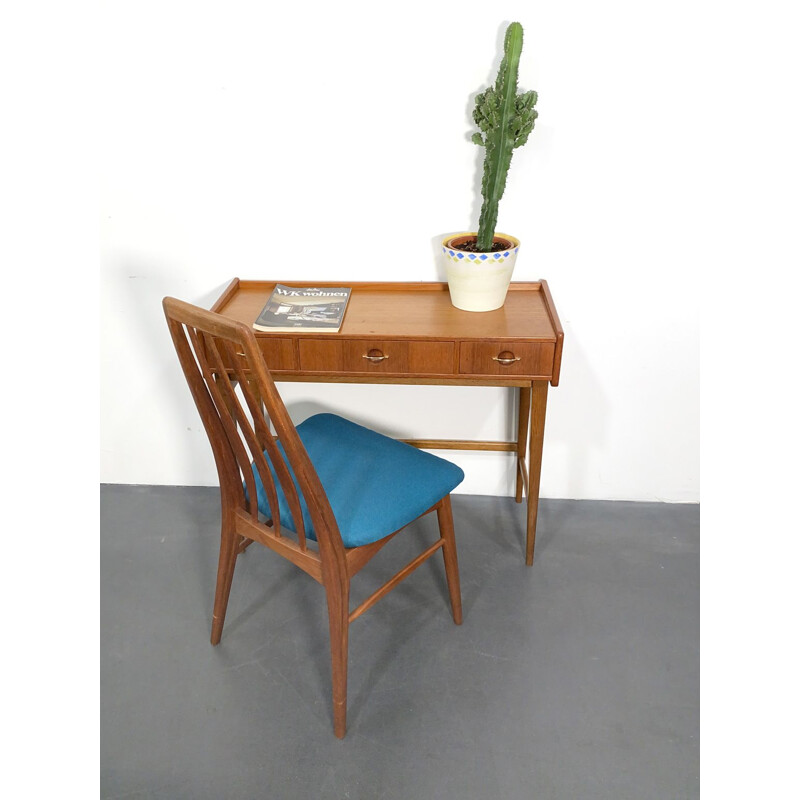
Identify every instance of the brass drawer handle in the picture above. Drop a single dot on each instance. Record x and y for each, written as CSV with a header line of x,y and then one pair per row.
x,y
505,358
375,356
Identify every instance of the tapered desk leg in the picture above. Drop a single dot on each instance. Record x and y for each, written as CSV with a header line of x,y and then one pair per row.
x,y
522,438
538,409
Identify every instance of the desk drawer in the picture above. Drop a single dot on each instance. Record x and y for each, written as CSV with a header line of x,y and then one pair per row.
x,y
278,353
506,358
394,357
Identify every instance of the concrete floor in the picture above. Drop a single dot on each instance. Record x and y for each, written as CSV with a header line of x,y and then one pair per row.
x,y
576,678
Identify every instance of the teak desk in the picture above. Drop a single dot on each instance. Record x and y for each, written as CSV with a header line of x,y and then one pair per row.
x,y
411,333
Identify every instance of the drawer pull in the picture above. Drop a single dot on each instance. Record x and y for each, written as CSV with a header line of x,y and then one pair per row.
x,y
505,358
375,356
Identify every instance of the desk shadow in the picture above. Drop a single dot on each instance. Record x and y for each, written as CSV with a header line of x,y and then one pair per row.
x,y
576,429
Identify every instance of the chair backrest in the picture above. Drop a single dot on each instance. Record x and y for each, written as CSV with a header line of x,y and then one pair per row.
x,y
237,400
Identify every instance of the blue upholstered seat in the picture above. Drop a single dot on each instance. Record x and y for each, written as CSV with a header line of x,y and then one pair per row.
x,y
374,484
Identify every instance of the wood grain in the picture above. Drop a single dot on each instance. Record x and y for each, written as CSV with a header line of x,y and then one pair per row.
x,y
538,411
488,357
376,356
415,310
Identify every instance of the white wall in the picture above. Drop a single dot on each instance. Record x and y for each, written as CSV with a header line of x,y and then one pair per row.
x,y
236,132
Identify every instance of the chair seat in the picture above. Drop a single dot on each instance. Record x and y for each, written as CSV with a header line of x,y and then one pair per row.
x,y
375,484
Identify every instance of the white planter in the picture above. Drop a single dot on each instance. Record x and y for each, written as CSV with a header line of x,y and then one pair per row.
x,y
479,281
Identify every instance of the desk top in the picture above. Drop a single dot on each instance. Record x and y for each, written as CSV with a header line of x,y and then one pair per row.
x,y
415,310
418,312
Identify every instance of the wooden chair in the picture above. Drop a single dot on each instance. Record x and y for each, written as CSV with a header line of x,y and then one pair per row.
x,y
327,494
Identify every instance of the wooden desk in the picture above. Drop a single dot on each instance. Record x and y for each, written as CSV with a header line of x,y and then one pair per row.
x,y
414,335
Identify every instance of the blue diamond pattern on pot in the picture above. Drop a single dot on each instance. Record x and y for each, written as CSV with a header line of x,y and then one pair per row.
x,y
483,258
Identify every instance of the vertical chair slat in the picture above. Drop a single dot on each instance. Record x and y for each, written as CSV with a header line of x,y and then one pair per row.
x,y
253,439
186,348
222,393
276,457
242,424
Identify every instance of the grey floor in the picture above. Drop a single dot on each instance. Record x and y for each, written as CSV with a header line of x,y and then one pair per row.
x,y
576,678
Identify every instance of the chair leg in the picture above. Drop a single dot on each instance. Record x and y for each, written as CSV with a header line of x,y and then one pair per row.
x,y
445,514
228,550
338,597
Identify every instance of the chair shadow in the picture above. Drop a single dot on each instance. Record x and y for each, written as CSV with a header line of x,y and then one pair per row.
x,y
421,614
259,604
422,610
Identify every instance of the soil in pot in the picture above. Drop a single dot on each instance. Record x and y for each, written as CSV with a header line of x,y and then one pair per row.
x,y
469,244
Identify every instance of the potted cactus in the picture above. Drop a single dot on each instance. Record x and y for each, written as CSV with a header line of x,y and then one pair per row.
x,y
479,264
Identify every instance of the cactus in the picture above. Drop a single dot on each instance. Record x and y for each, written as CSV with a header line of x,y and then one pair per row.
x,y
506,120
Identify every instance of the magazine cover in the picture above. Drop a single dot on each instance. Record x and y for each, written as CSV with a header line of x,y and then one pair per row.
x,y
303,309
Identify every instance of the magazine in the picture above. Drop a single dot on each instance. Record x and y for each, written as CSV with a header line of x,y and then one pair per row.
x,y
303,309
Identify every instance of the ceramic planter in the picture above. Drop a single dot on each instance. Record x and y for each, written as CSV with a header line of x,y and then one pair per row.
x,y
479,281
